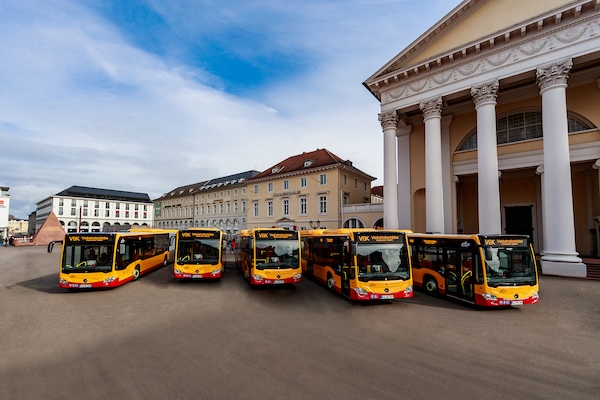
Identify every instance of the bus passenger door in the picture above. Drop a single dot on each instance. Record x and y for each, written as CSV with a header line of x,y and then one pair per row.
x,y
466,275
346,279
451,272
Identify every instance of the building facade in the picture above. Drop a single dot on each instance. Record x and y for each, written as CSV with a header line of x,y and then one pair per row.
x,y
490,124
306,191
215,203
4,211
83,209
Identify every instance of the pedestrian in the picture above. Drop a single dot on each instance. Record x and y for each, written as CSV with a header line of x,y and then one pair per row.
x,y
233,246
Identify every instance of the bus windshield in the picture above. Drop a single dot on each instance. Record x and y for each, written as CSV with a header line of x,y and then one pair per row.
x,y
506,266
87,258
198,251
277,254
377,261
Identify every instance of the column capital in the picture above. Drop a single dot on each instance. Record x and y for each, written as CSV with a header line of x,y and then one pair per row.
x,y
596,165
431,108
539,170
389,119
485,93
554,74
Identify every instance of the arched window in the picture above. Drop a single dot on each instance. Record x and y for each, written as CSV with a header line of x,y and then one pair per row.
x,y
353,223
523,125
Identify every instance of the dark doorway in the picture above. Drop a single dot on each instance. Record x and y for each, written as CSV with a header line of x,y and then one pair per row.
x,y
519,220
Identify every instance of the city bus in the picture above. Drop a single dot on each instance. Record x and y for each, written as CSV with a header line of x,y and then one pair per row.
x,y
485,270
360,264
110,259
269,256
199,254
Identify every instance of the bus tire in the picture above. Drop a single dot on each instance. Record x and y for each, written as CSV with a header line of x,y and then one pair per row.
x,y
136,273
330,282
430,285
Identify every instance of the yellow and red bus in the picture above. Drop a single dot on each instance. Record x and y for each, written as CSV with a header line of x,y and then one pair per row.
x,y
110,259
199,254
361,264
269,256
485,270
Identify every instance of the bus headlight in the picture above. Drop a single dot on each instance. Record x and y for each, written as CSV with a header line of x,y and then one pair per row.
x,y
408,291
360,291
535,296
297,277
178,272
63,281
257,278
216,272
489,297
109,280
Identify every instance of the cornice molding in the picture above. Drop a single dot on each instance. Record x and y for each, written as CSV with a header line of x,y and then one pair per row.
x,y
479,59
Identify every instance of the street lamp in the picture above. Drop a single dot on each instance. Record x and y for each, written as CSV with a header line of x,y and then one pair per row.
x,y
314,224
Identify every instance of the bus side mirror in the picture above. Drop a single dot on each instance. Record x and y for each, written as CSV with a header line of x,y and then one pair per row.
x,y
488,254
51,245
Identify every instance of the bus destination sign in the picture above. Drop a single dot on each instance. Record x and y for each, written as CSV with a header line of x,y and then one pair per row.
x,y
86,239
199,235
506,242
380,237
277,235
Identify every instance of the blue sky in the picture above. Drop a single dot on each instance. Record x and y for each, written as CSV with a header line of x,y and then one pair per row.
x,y
149,95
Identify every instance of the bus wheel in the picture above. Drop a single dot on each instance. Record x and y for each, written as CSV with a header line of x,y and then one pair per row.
x,y
430,286
330,282
136,273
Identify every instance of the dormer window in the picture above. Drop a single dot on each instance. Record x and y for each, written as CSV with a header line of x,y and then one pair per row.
x,y
276,170
308,163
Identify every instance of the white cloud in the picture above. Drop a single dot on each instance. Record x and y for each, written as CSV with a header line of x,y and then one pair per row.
x,y
80,105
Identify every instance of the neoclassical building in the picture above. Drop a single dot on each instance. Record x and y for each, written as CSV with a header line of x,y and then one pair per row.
x,y
490,124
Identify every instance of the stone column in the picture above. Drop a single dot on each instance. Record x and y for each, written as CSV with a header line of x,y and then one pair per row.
x,y
447,176
560,257
488,186
434,195
404,192
389,122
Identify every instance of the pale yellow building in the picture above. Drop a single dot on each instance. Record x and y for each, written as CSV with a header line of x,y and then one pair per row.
x,y
306,191
214,203
490,123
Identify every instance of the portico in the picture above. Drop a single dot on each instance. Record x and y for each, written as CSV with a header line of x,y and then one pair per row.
x,y
498,134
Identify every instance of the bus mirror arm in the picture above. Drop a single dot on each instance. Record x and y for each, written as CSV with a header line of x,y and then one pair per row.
x,y
51,245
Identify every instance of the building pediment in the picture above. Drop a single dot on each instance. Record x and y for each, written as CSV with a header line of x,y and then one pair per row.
x,y
515,49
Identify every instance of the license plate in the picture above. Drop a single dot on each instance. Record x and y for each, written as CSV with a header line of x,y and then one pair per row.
x,y
196,276
278,281
387,296
84,285
516,303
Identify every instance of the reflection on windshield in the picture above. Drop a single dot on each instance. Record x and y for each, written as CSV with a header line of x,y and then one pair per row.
x,y
198,251
382,262
509,266
92,258
277,254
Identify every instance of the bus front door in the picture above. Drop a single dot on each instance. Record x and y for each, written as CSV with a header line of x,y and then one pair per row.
x,y
459,274
346,280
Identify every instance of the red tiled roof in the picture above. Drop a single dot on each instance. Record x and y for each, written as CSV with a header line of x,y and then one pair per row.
x,y
312,159
377,191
